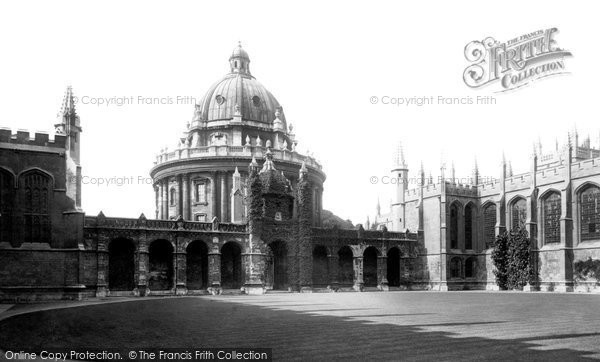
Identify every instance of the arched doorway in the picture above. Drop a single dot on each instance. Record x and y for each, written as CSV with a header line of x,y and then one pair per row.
x,y
161,265
393,267
121,265
277,265
196,265
231,266
346,266
320,272
370,267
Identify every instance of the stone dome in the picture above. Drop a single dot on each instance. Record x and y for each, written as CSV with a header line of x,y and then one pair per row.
x,y
239,91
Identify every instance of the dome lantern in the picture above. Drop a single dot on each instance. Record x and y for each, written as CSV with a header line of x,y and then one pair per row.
x,y
239,60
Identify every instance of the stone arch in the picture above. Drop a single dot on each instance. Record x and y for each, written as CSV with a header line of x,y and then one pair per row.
x,y
550,211
471,267
588,211
35,200
346,266
470,217
161,271
455,214
456,268
121,265
489,217
277,264
7,199
196,265
370,256
393,266
320,265
231,265
518,211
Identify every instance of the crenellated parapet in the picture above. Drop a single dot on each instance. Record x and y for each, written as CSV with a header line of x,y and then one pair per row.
x,y
23,138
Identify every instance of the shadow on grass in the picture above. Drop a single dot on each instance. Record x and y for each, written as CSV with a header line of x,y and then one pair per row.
x,y
199,323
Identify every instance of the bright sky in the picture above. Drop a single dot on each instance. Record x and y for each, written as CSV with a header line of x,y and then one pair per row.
x,y
322,60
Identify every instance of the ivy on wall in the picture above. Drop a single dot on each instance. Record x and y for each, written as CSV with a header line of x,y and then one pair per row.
x,y
587,269
512,258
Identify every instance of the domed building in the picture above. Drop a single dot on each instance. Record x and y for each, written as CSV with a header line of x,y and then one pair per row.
x,y
236,120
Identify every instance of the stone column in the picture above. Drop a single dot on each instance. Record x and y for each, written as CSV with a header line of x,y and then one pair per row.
x,y
179,206
186,197
334,264
213,197
165,199
179,263
382,282
142,267
224,197
102,282
358,273
214,272
159,200
156,201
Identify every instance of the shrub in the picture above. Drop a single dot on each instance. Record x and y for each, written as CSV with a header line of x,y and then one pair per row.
x,y
500,259
512,258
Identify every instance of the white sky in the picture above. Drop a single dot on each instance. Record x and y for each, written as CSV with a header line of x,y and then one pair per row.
x,y
322,60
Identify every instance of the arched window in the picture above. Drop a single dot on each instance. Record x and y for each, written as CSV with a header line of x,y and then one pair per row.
x,y
551,215
518,212
469,226
455,268
172,196
36,187
6,204
453,226
489,224
470,267
589,211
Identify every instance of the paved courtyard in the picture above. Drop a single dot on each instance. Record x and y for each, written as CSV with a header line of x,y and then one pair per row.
x,y
323,326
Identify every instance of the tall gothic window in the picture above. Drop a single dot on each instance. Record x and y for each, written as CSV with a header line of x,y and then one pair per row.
x,y
518,212
36,192
551,214
200,192
489,224
469,226
6,205
589,209
453,226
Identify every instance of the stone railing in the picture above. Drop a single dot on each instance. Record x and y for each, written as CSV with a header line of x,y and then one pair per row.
x,y
362,234
102,221
235,151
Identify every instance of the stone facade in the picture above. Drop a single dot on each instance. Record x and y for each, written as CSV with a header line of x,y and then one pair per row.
x,y
557,202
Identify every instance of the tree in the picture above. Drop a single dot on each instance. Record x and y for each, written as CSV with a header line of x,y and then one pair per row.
x,y
519,254
512,259
500,259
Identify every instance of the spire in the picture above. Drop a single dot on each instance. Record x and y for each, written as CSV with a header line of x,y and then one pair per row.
x,y
475,173
253,165
510,169
68,120
399,161
453,173
378,207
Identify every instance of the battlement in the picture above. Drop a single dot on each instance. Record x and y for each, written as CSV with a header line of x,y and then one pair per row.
x,y
40,139
234,151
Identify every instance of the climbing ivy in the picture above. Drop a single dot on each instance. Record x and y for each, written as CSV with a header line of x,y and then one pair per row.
x,y
512,258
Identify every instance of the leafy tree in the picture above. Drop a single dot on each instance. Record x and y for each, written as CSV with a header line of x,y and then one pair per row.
x,y
500,259
519,257
512,259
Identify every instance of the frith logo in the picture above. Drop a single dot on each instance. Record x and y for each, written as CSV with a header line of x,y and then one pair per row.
x,y
514,63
